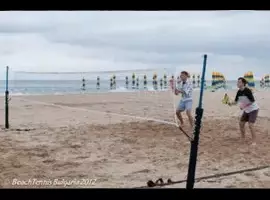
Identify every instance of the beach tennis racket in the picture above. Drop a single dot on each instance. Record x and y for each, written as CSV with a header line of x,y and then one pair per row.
x,y
226,99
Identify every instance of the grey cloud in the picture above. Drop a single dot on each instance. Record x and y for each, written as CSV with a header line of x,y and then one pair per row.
x,y
25,22
169,39
154,38
156,47
11,29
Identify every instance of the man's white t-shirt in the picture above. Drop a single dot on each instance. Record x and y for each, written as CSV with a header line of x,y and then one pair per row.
x,y
187,88
246,100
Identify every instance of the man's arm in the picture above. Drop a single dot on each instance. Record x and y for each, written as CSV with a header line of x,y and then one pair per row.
x,y
232,103
177,91
235,100
188,90
250,95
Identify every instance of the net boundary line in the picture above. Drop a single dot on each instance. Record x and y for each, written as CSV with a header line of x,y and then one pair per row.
x,y
115,114
163,69
209,176
101,112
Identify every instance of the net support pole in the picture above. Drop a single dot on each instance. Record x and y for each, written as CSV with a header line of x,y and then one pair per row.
x,y
7,101
195,141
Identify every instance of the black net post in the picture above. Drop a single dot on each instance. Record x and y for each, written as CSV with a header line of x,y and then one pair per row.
x,y
7,102
195,141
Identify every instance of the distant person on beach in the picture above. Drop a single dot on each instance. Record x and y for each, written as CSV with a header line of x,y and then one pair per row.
x,y
172,83
185,104
246,101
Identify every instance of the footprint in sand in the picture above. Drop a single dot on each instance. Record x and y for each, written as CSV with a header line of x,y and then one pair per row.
x,y
82,157
230,186
181,165
141,171
48,161
66,165
251,174
75,146
267,173
16,164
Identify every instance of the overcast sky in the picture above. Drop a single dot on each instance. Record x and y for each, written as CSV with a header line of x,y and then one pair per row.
x,y
236,41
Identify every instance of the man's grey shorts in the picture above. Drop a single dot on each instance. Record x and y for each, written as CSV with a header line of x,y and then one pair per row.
x,y
184,105
250,117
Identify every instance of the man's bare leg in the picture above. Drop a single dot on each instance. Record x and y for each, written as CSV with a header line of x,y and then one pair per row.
x,y
253,135
242,130
179,116
190,118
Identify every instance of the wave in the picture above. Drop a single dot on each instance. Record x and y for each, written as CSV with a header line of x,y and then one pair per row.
x,y
121,89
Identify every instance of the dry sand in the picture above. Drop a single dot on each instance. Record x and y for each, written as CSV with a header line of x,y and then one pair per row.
x,y
80,139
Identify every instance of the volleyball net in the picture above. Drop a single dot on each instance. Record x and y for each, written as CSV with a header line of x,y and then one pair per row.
x,y
143,94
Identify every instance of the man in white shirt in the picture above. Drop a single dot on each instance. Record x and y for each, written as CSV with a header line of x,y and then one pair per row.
x,y
185,103
247,103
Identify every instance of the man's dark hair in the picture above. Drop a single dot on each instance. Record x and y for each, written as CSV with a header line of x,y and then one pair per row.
x,y
185,73
244,81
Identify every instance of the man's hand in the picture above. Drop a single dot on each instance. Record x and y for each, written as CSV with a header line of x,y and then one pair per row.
x,y
231,103
179,91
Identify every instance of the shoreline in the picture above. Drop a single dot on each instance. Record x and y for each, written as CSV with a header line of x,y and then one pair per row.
x,y
102,92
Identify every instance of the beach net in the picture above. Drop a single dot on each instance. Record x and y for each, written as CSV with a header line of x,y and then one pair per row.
x,y
136,94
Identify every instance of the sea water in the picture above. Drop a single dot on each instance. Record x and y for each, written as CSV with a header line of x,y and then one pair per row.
x,y
42,87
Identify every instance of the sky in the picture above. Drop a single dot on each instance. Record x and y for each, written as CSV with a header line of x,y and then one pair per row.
x,y
235,41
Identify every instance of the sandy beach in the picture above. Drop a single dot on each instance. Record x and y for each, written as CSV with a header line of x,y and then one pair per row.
x,y
106,140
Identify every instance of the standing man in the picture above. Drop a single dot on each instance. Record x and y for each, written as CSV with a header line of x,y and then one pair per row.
x,y
185,103
246,101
